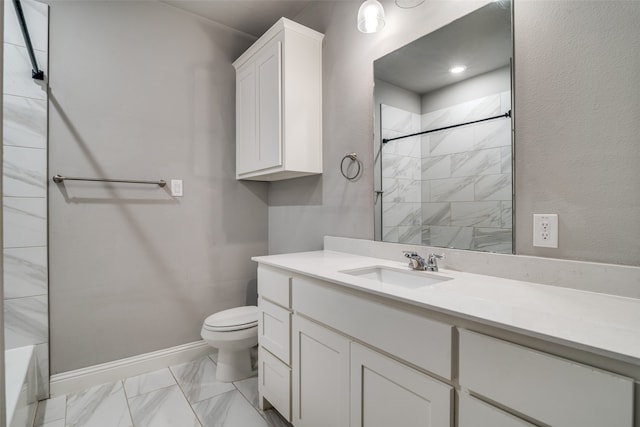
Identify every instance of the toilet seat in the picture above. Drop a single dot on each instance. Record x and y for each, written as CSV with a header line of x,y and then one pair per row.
x,y
233,319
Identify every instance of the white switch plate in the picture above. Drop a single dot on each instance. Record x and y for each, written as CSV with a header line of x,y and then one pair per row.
x,y
545,230
176,187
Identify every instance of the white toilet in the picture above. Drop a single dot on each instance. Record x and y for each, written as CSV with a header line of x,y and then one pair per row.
x,y
233,332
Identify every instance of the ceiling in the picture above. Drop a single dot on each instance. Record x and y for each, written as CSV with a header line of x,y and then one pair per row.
x,y
480,40
253,17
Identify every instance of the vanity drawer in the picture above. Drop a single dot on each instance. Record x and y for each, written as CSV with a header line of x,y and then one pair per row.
x,y
274,329
408,336
274,382
547,388
274,285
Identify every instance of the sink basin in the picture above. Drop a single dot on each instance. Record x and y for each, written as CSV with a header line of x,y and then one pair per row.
x,y
392,276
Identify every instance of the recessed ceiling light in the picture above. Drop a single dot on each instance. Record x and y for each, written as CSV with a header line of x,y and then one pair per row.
x,y
457,69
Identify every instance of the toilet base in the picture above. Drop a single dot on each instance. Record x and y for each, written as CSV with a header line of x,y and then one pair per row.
x,y
234,365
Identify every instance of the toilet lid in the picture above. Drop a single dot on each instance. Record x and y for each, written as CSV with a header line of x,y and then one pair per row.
x,y
233,319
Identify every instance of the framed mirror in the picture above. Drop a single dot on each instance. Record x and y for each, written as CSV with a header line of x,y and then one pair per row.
x,y
443,136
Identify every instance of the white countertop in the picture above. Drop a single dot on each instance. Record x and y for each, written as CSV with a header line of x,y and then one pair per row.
x,y
604,324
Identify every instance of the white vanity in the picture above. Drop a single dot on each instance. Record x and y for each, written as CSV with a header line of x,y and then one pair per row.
x,y
343,349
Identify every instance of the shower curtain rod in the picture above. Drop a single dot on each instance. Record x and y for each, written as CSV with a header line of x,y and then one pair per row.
x,y
505,115
59,179
36,73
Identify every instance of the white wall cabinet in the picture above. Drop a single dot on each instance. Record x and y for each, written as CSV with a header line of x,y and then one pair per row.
x,y
279,104
385,393
320,376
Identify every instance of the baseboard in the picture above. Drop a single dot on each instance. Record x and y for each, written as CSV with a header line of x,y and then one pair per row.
x,y
80,379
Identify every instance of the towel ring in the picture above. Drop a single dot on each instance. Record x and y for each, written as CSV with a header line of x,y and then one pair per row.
x,y
354,158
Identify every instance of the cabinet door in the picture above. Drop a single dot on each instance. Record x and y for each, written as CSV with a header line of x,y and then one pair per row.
x,y
320,376
473,412
246,131
385,393
269,100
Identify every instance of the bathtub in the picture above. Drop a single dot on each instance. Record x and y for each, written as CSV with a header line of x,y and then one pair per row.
x,y
21,387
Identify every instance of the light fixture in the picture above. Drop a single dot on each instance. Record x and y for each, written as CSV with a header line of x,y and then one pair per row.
x,y
457,69
370,16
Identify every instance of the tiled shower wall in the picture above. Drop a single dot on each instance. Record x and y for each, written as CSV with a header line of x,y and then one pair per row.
x,y
401,177
466,177
25,187
449,188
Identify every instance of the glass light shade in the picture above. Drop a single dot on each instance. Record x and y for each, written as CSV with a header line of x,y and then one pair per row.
x,y
370,16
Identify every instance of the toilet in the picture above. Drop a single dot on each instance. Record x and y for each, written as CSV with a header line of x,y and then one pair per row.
x,y
233,332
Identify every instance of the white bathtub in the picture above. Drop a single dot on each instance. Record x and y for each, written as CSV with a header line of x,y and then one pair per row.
x,y
21,387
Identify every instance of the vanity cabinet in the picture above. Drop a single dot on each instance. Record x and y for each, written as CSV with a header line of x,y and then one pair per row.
x,y
274,340
279,104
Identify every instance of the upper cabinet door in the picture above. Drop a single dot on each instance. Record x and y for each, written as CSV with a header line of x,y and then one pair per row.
x,y
246,140
269,102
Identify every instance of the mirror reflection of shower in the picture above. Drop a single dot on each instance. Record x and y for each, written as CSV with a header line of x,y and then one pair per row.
x,y
25,98
450,186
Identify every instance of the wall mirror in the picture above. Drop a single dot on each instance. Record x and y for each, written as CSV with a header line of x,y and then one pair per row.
x,y
451,184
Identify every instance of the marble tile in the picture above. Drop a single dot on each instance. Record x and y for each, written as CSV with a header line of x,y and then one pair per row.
x,y
390,234
505,101
148,382
17,73
436,119
436,214
453,189
451,237
396,119
104,405
25,321
479,162
42,378
166,407
492,240
228,410
25,272
456,140
436,167
507,214
214,357
492,134
51,410
408,191
476,214
505,160
198,380
57,423
24,173
36,16
426,236
24,122
493,187
25,222
425,191
396,166
274,419
391,147
410,234
401,214
390,188
249,389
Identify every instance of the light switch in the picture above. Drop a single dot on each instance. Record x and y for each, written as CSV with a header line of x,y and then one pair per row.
x,y
176,187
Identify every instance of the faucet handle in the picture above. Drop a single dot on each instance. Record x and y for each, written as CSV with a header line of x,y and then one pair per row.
x,y
436,256
410,254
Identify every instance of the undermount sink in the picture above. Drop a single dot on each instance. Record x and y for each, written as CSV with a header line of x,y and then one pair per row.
x,y
393,276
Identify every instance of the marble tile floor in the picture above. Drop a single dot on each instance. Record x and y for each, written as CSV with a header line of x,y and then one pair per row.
x,y
185,395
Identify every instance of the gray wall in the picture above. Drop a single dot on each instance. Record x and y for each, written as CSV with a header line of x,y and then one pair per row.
x,y
143,90
577,123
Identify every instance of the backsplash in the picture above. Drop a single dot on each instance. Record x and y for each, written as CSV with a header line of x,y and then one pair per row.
x,y
450,188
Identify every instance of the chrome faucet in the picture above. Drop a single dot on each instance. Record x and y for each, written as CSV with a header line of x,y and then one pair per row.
x,y
416,262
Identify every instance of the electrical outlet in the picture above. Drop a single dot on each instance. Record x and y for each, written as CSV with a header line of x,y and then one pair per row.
x,y
176,187
545,230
